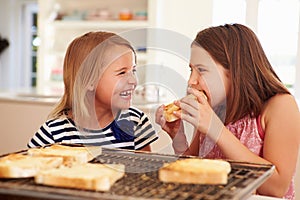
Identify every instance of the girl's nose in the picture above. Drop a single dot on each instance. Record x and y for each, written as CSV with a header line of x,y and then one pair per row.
x,y
193,80
132,78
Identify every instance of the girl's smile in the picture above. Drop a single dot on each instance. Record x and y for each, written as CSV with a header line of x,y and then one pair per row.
x,y
117,84
126,94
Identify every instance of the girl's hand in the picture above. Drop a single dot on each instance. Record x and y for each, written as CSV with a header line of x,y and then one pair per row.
x,y
200,114
172,128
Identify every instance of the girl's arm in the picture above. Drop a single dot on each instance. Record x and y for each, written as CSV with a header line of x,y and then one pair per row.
x,y
42,137
144,133
181,147
147,148
281,123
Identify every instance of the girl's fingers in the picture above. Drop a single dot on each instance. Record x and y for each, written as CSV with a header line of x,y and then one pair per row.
x,y
159,114
201,97
190,119
189,106
187,102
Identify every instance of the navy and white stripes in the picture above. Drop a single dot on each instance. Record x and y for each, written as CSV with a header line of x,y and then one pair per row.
x,y
64,130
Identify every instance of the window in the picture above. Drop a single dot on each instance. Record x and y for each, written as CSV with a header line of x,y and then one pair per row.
x,y
279,19
30,43
276,25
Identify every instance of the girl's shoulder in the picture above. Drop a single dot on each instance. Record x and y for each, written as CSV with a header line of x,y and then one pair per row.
x,y
281,102
132,111
280,106
136,110
59,121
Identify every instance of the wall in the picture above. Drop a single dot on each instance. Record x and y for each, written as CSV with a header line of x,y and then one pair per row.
x,y
182,17
20,121
169,41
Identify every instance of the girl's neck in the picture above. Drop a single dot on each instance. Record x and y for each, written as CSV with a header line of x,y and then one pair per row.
x,y
105,117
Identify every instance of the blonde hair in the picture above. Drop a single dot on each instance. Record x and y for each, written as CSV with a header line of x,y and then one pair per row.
x,y
83,65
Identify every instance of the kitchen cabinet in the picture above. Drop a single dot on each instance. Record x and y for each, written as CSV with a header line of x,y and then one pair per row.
x,y
60,21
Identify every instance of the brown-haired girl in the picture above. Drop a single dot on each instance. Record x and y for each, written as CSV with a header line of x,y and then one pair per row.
x,y
249,115
95,109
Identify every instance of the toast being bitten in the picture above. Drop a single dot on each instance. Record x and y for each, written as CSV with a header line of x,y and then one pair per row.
x,y
98,177
70,154
195,171
170,108
23,166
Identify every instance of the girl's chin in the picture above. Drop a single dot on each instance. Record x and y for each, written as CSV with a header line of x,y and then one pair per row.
x,y
125,106
121,102
122,105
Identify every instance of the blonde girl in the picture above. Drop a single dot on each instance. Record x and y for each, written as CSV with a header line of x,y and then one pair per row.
x,y
95,109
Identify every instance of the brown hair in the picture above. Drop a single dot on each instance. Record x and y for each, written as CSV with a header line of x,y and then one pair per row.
x,y
253,80
84,57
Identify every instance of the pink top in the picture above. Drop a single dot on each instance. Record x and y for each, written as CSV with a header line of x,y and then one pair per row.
x,y
250,133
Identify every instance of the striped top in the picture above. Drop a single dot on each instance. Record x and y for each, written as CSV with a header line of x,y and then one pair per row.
x,y
64,130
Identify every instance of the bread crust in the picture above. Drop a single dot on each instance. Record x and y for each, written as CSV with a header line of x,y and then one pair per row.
x,y
195,171
98,177
71,155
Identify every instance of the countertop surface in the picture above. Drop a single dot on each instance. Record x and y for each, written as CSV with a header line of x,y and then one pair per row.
x,y
33,97
29,96
259,197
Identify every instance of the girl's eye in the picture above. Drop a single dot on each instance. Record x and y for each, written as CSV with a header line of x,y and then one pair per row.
x,y
125,71
201,69
122,72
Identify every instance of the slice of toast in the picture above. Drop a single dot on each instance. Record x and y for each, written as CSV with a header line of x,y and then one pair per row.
x,y
98,177
195,171
23,166
70,154
171,107
168,112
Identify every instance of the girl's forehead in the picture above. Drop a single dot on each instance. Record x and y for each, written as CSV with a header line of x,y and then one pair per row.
x,y
115,52
200,56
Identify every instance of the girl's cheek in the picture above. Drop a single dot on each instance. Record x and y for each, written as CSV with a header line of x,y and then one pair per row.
x,y
216,90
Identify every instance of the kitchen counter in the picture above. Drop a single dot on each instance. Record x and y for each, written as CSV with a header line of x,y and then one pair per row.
x,y
259,197
21,116
23,112
29,97
32,96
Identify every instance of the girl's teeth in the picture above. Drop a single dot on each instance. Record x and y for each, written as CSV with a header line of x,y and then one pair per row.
x,y
126,93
